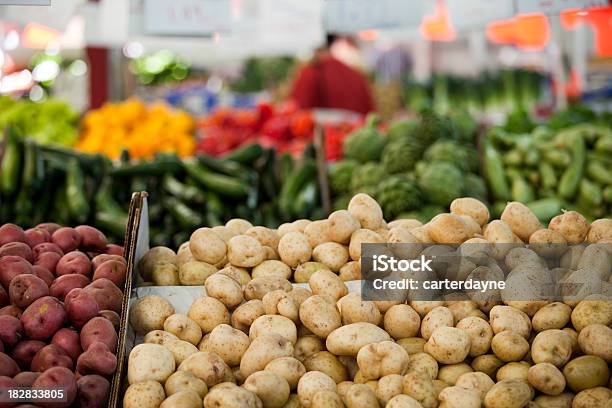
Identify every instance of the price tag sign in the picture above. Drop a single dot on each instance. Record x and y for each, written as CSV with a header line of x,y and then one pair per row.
x,y
187,17
357,15
554,7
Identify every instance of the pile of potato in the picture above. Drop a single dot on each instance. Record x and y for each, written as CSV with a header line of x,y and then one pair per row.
x,y
60,305
255,340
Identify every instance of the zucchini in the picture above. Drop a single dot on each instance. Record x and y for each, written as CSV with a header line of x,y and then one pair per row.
x,y
548,178
246,154
218,183
598,172
494,171
11,166
570,179
589,194
558,158
183,214
521,190
161,165
76,201
227,167
293,185
182,191
546,208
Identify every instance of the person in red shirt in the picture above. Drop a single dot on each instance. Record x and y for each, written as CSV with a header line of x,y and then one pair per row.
x,y
326,82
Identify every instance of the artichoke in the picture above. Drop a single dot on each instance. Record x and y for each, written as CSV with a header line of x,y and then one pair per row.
x,y
369,174
401,130
340,174
465,158
364,144
401,156
398,194
441,182
475,187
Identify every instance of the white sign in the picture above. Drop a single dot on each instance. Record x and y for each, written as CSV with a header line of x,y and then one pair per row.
x,y
187,17
25,2
357,15
553,7
469,14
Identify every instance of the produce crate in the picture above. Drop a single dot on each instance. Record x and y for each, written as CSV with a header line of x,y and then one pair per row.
x,y
133,250
181,297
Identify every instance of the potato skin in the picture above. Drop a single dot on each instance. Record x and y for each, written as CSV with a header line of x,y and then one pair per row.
x,y
376,360
208,367
552,346
555,315
595,339
289,368
229,395
208,313
184,380
348,340
508,394
150,313
402,321
586,372
319,315
472,208
546,378
448,345
146,394
311,383
262,350
150,362
271,388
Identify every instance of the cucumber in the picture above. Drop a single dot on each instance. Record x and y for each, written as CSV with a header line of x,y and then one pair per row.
x,y
604,144
546,208
157,167
218,183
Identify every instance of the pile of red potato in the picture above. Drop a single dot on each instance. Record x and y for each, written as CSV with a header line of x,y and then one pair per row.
x,y
61,298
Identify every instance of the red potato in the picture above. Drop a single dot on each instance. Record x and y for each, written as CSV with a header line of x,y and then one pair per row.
x,y
92,239
43,273
5,384
11,330
4,297
93,391
11,310
46,247
50,227
8,366
112,270
80,307
11,266
73,262
58,378
69,341
26,378
35,236
107,294
50,356
100,259
100,330
24,352
112,249
43,318
17,249
68,239
11,233
62,285
112,317
48,260
25,289
97,359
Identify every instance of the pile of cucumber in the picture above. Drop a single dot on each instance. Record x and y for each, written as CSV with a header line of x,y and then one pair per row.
x,y
552,170
40,183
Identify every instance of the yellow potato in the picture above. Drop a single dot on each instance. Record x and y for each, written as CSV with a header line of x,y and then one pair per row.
x,y
521,220
208,367
146,394
150,362
294,249
206,246
208,313
366,210
272,389
342,225
184,328
185,381
472,208
331,254
149,313
245,251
